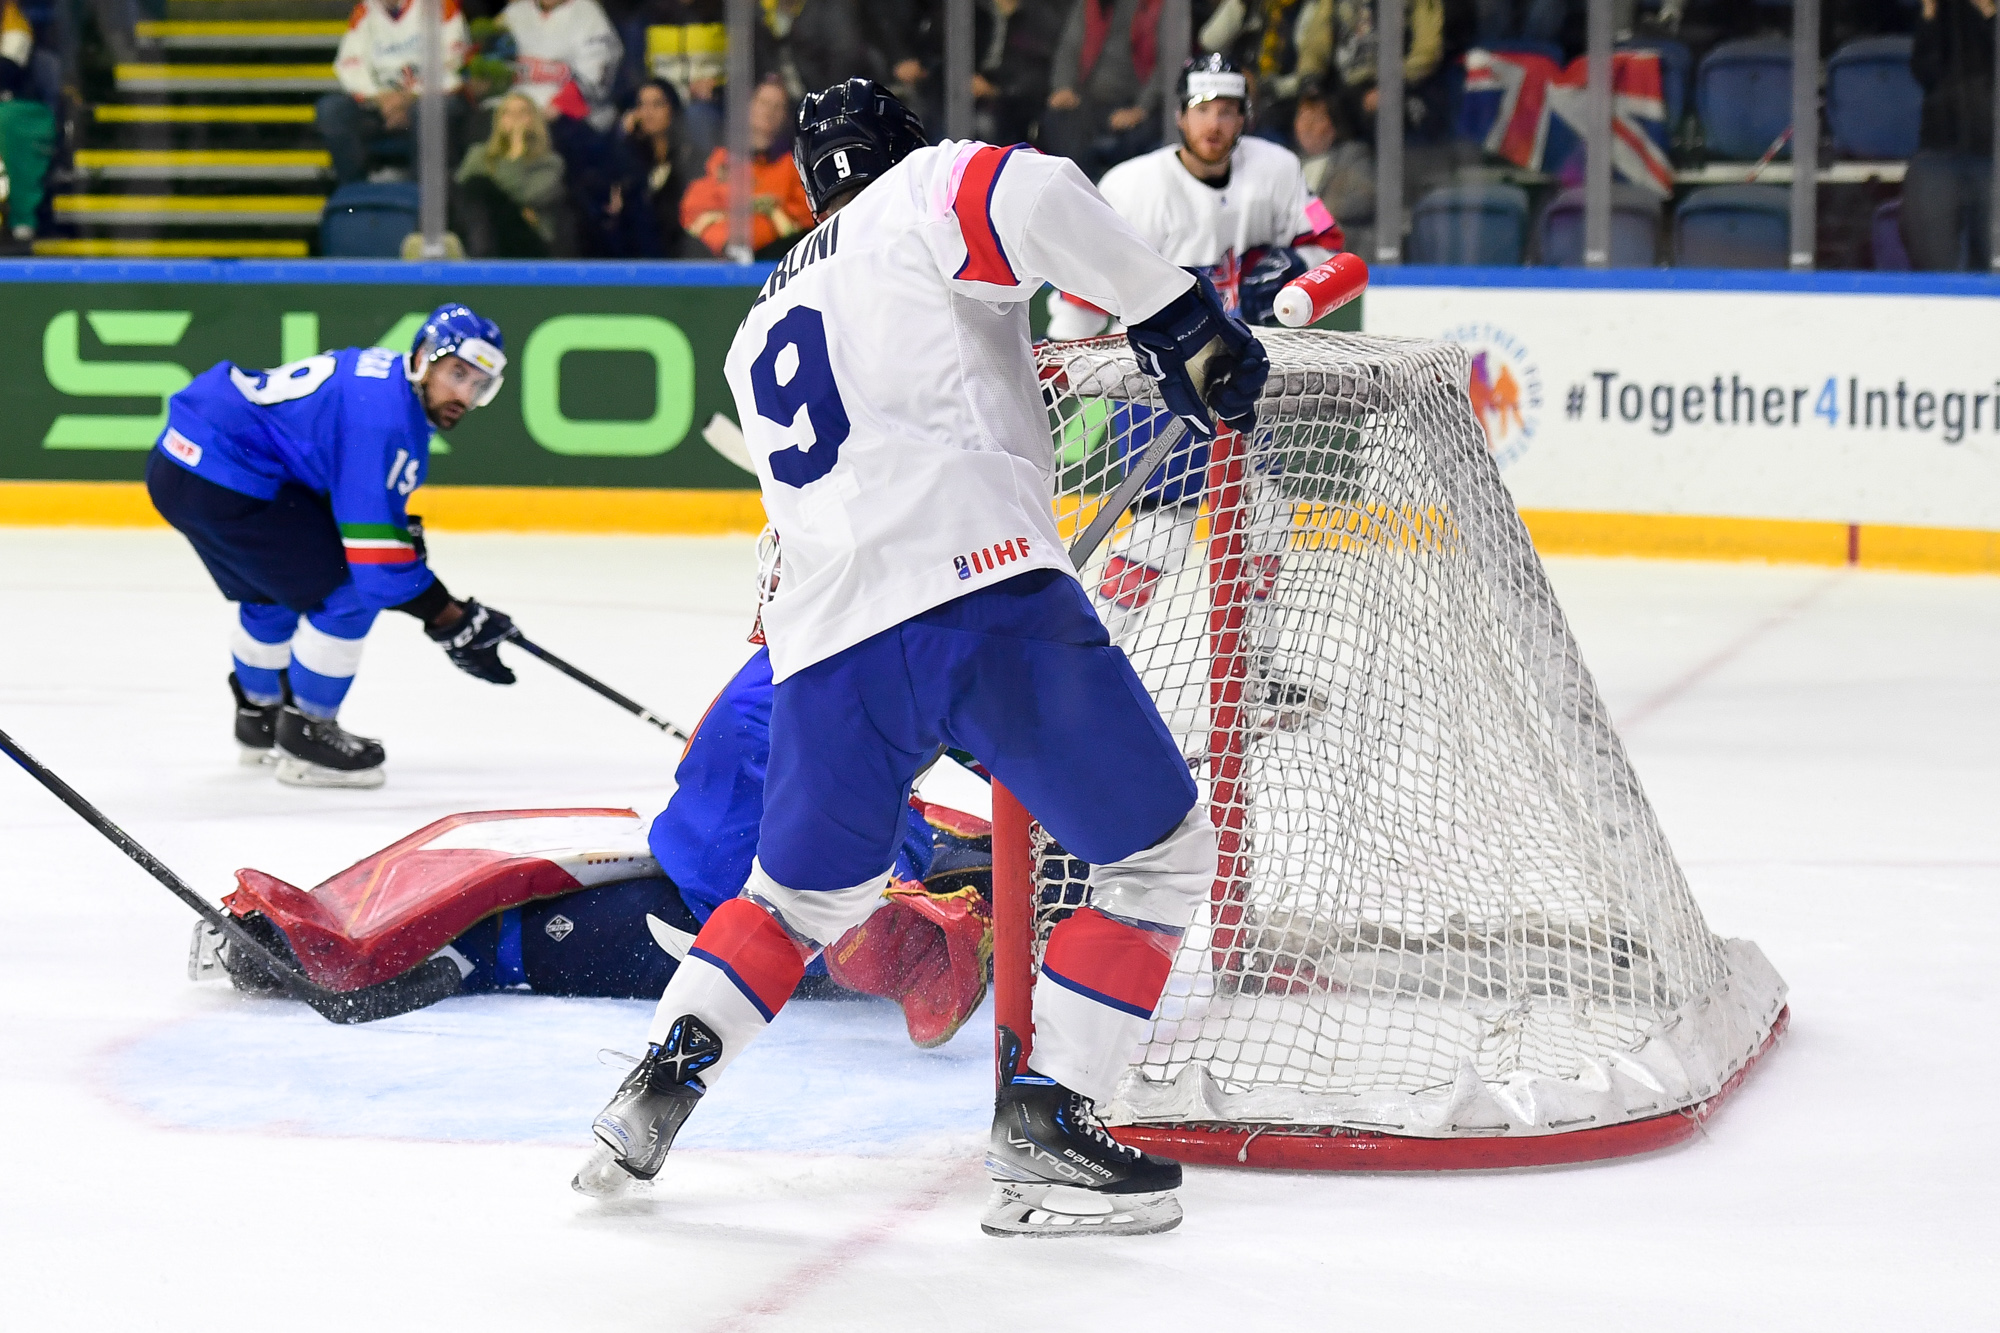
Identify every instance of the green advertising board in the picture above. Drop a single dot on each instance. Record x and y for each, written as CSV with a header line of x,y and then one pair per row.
x,y
613,369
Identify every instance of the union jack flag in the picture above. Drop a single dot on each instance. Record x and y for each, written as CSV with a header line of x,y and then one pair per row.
x,y
1526,109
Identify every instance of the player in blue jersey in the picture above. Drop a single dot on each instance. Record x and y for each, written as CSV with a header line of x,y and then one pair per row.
x,y
291,484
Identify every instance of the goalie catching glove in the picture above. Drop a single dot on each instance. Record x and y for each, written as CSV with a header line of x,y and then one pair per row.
x,y
1201,357
472,642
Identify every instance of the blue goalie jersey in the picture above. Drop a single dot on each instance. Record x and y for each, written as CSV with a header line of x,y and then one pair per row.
x,y
347,425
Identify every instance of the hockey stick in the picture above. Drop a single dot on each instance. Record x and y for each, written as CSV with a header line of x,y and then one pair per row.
x,y
592,683
1121,499
426,984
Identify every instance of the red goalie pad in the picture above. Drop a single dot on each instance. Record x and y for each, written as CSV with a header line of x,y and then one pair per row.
x,y
927,952
388,912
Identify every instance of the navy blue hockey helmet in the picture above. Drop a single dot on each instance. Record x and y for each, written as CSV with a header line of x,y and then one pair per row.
x,y
850,134
1208,77
453,330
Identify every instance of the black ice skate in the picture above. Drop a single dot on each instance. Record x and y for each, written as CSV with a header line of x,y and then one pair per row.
x,y
635,1131
1057,1172
1289,702
315,752
256,726
211,955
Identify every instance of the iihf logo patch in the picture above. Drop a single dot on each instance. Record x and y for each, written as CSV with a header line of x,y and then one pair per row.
x,y
558,928
989,558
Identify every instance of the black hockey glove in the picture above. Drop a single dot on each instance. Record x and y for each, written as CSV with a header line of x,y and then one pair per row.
x,y
473,642
1266,273
1200,357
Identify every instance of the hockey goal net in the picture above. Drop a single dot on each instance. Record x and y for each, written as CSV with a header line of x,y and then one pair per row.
x,y
1446,929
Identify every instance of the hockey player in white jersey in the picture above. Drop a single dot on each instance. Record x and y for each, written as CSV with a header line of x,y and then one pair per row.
x,y
1238,210
887,393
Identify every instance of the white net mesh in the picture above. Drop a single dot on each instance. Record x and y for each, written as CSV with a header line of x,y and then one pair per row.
x,y
1444,906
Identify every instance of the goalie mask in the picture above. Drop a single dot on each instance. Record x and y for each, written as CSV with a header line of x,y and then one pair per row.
x,y
453,330
849,135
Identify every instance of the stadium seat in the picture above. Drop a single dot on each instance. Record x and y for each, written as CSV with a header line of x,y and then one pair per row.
x,y
1873,102
1635,229
1743,94
1886,238
1675,63
1734,226
1470,224
368,220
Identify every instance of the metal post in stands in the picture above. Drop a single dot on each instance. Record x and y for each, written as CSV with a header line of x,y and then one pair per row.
x,y
432,169
1993,166
742,19
1176,45
1013,920
1597,139
958,121
1805,133
1389,132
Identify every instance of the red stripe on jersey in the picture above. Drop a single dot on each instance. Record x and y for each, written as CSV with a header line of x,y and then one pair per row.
x,y
755,951
381,555
985,261
1126,965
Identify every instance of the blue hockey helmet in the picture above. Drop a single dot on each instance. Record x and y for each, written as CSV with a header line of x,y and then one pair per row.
x,y
850,134
453,330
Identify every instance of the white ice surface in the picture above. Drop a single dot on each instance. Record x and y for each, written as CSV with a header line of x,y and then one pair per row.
x,y
1824,747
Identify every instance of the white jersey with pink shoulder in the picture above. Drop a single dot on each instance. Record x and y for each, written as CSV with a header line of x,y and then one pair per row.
x,y
1264,203
886,392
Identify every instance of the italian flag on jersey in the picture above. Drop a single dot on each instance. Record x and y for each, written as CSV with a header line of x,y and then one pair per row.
x,y
377,544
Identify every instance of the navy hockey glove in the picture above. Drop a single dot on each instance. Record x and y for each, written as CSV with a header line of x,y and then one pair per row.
x,y
1265,272
473,642
1200,357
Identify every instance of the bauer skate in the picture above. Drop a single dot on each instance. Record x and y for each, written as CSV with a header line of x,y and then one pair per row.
x,y
635,1131
316,752
256,727
1057,1172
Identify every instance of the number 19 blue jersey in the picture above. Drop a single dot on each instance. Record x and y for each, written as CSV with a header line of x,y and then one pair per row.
x,y
344,424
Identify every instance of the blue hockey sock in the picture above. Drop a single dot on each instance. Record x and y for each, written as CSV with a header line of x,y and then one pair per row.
x,y
261,648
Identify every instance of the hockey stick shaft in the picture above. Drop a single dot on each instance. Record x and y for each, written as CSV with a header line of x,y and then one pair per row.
x,y
415,989
1121,499
591,682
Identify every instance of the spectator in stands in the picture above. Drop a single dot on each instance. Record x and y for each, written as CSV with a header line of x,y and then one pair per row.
x,y
1529,20
1104,106
646,202
566,57
1354,58
687,44
779,213
379,65
1338,166
27,127
814,44
1014,44
1947,190
511,200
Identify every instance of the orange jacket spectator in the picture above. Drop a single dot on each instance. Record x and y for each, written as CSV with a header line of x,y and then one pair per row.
x,y
778,208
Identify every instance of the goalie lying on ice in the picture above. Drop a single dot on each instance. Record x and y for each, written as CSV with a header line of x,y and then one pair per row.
x,y
592,902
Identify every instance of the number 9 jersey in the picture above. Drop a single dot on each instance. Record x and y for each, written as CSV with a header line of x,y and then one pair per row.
x,y
886,390
347,425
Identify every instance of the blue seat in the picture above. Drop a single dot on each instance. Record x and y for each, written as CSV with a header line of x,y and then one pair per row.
x,y
1885,236
368,221
1873,103
1734,226
1635,229
1743,94
1470,224
1675,63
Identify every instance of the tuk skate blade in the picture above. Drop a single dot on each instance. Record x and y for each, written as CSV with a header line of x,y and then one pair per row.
x,y
251,757
1018,1209
600,1176
296,772
205,954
